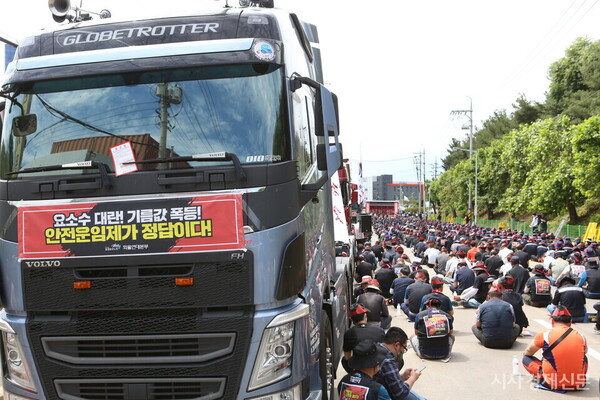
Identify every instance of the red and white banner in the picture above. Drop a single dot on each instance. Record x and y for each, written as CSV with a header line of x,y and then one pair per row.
x,y
203,223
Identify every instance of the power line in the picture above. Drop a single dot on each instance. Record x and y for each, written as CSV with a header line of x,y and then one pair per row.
x,y
549,42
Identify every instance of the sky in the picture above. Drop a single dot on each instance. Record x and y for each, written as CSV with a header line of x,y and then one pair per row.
x,y
400,67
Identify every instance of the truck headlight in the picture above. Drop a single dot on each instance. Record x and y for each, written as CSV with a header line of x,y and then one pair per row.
x,y
17,369
274,359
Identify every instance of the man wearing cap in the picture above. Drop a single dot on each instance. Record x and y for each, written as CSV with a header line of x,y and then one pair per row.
x,y
507,286
440,261
377,249
475,295
400,284
564,364
538,292
392,254
524,257
431,254
472,251
437,286
397,255
557,266
358,332
376,305
452,265
464,278
570,296
493,263
590,279
507,266
519,273
414,295
362,288
385,276
420,248
417,268
370,256
433,332
399,385
362,268
360,385
495,323
504,252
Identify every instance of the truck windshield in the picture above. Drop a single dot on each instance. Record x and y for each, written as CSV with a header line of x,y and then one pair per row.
x,y
237,109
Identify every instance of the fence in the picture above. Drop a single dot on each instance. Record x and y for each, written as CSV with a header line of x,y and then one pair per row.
x,y
572,231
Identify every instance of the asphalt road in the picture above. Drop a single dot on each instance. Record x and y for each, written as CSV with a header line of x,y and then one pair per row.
x,y
476,372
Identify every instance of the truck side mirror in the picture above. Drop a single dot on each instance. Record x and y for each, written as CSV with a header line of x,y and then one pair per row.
x,y
329,155
24,125
327,126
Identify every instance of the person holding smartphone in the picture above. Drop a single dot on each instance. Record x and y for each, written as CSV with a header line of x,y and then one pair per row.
x,y
399,385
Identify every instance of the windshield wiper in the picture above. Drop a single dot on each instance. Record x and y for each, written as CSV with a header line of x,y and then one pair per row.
x,y
219,156
103,168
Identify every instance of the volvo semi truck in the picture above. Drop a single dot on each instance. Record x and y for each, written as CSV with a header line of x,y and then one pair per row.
x,y
166,226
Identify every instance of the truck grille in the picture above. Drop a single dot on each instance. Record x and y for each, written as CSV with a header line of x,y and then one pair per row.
x,y
136,389
140,282
77,349
135,335
170,349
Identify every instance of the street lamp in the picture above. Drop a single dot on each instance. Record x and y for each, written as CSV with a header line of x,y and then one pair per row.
x,y
476,183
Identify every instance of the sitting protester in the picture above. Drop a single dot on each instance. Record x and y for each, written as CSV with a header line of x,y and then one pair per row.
x,y
433,332
507,286
376,305
414,295
590,279
475,295
399,285
438,286
366,359
358,332
570,296
538,288
495,325
564,364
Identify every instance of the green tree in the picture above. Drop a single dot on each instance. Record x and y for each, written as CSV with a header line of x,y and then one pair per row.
x,y
515,158
493,178
493,128
454,155
575,82
539,160
586,156
526,111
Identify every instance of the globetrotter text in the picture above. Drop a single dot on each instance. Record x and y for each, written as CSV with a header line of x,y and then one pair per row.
x,y
146,31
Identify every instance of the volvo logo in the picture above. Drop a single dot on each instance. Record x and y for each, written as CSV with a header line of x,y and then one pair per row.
x,y
43,263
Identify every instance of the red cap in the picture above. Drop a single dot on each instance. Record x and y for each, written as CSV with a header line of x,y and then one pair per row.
x,y
436,281
558,313
374,282
358,310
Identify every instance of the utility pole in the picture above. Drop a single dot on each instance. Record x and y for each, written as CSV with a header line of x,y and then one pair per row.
x,y
423,187
162,93
469,114
167,95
